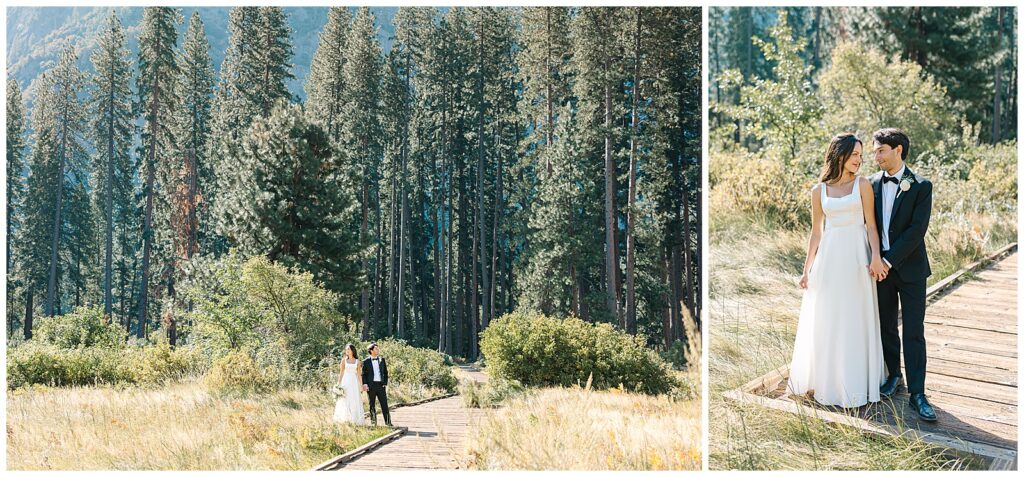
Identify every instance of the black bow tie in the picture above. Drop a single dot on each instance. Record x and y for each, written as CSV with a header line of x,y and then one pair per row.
x,y
892,179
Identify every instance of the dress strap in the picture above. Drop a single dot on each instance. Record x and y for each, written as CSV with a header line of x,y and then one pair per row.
x,y
856,184
824,191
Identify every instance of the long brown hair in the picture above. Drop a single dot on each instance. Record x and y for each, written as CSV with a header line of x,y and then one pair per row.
x,y
838,152
355,355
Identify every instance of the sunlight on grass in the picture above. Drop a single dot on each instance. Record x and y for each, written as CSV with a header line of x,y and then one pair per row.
x,y
579,429
177,427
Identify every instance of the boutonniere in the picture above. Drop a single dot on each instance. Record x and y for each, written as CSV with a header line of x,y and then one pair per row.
x,y
905,182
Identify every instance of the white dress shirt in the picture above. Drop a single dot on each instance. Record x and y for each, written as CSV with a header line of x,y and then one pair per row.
x,y
375,362
889,191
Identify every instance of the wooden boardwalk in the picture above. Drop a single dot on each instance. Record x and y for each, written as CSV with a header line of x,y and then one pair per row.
x,y
435,439
971,332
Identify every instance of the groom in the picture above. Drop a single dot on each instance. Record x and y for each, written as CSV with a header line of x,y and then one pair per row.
x,y
375,383
903,205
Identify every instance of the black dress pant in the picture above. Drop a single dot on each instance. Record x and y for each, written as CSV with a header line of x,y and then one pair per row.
x,y
377,391
892,292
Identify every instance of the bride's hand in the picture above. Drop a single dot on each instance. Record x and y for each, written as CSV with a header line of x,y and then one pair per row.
x,y
803,281
877,269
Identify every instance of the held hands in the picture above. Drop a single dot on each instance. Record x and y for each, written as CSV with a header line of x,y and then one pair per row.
x,y
878,269
366,387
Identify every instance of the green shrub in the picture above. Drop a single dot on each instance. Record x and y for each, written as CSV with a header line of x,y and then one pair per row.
x,y
408,364
541,351
161,363
236,374
43,363
257,304
85,326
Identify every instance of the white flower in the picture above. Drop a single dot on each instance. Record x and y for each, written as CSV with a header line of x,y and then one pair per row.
x,y
904,185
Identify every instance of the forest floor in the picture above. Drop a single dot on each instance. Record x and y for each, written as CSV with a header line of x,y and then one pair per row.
x,y
754,300
179,426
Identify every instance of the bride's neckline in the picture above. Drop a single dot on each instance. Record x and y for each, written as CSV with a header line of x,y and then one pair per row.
x,y
854,182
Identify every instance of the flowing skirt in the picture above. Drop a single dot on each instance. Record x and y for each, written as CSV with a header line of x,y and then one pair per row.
x,y
349,408
838,351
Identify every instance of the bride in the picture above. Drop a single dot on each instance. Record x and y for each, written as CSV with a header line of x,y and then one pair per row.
x,y
349,407
837,357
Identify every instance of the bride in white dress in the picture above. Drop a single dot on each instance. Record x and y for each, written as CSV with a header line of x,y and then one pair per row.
x,y
349,407
837,357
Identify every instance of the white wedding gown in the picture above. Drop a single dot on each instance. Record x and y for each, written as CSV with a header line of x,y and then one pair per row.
x,y
349,408
838,349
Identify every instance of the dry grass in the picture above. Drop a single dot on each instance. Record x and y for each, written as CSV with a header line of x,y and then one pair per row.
x,y
177,427
754,309
580,429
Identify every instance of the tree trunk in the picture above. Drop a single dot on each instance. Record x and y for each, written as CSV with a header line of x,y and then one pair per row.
x,y
147,228
27,325
631,208
611,261
108,261
364,296
996,100
51,284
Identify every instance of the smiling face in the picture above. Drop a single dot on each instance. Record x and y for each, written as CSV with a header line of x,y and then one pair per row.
x,y
888,159
853,163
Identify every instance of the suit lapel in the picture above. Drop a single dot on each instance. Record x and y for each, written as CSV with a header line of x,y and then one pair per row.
x,y
877,186
900,195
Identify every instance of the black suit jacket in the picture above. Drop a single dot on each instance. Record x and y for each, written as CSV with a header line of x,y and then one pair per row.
x,y
368,371
908,224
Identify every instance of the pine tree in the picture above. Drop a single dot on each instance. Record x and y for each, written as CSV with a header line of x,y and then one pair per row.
x,y
188,216
194,116
253,78
112,127
157,89
234,109
33,245
68,126
547,50
273,55
307,202
325,85
600,77
361,135
15,188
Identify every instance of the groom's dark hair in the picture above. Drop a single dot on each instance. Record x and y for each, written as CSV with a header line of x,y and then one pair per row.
x,y
370,348
893,137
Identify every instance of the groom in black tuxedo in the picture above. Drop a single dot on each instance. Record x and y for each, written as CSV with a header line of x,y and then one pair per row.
x,y
375,383
903,206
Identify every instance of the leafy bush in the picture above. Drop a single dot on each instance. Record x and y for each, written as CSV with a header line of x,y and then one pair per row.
x,y
161,363
863,91
85,326
408,364
541,351
42,363
47,364
257,304
236,374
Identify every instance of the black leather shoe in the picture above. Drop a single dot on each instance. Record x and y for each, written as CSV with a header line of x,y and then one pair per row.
x,y
923,407
891,385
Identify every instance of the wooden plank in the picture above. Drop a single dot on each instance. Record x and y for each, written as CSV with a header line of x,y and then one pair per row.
x,y
334,462
966,387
